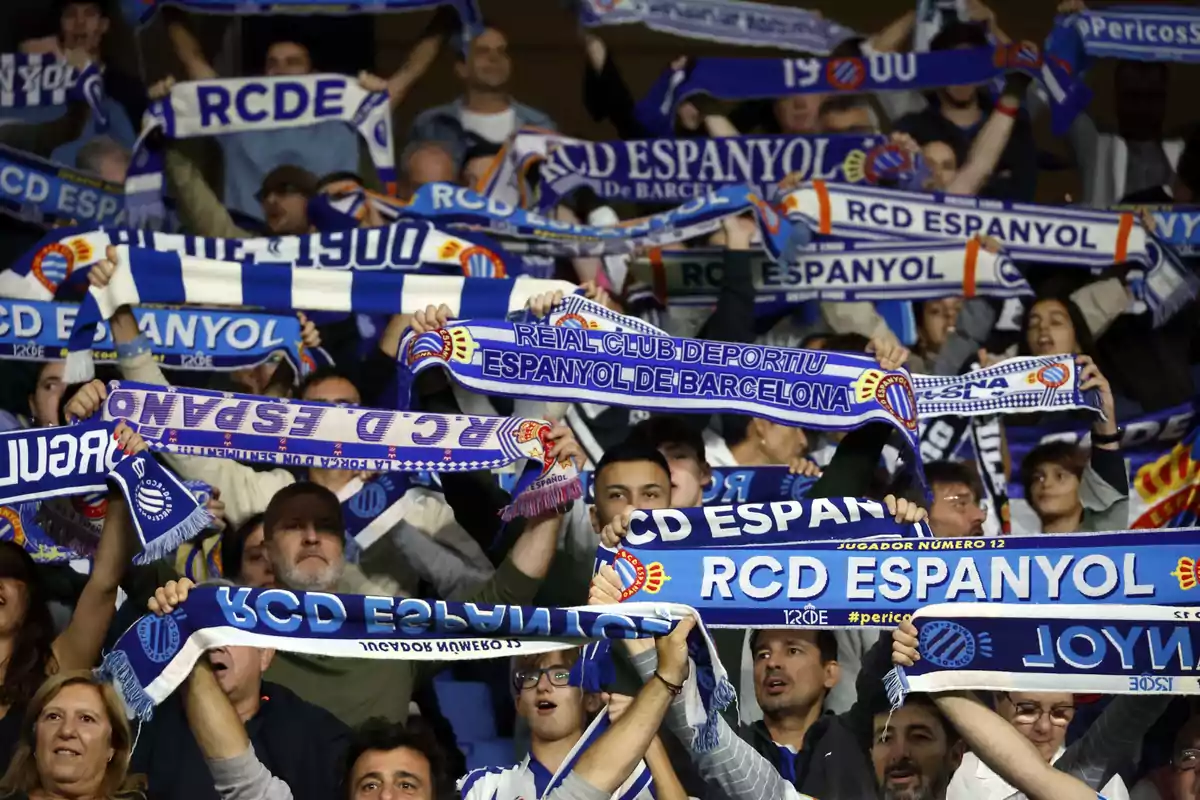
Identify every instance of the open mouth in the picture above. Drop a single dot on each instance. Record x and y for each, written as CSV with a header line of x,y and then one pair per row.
x,y
66,751
902,776
775,685
546,707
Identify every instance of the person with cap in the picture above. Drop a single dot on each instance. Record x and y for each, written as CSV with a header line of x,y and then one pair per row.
x,y
300,743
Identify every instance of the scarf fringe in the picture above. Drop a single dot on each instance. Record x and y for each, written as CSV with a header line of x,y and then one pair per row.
x,y
896,684
708,734
538,500
162,546
117,669
1163,309
79,367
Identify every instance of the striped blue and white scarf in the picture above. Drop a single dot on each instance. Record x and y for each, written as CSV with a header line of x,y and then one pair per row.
x,y
724,21
139,12
837,271
755,78
1028,232
30,80
679,170
156,654
39,191
296,433
148,276
46,463
1106,649
239,105
401,247
181,338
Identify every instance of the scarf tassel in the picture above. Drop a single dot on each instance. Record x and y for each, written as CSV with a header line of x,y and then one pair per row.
x,y
117,669
535,494
162,545
896,684
708,733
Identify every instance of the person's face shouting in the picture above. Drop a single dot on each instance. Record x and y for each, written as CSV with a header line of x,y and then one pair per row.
x,y
912,755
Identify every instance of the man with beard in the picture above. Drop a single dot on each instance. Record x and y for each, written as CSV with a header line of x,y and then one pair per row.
x,y
957,512
915,752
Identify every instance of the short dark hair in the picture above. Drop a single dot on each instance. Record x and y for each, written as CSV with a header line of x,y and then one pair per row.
x,y
1068,455
233,544
102,5
383,735
826,643
1083,334
925,701
291,491
662,430
954,472
322,374
836,103
631,450
846,343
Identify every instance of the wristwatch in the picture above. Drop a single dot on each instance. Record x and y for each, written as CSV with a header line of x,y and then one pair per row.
x,y
1108,438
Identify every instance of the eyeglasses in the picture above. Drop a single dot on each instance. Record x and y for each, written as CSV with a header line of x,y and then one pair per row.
x,y
529,678
1032,713
961,502
1186,760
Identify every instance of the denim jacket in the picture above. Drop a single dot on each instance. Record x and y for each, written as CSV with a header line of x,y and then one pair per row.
x,y
444,124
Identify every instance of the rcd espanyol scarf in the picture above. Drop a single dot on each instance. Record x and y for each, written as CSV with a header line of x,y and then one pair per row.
x,y
149,276
837,271
238,105
724,21
40,191
305,434
157,654
1014,386
28,80
138,12
1028,232
753,566
401,247
1179,228
754,78
181,338
585,353
45,463
679,170
1106,649
508,178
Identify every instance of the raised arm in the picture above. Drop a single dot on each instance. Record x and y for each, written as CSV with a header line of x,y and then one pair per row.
x,y
989,145
187,47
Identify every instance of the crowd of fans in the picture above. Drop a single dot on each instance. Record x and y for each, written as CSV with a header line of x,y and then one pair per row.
x,y
812,717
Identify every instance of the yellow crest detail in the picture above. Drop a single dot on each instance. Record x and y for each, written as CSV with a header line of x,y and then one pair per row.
x,y
867,384
656,576
854,167
450,249
1185,573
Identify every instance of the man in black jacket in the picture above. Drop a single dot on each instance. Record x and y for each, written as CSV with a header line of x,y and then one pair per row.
x,y
300,743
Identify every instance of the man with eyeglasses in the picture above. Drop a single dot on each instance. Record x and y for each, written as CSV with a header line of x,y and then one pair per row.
x,y
1043,718
550,697
956,512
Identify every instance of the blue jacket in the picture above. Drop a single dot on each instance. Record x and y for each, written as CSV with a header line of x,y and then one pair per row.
x,y
443,124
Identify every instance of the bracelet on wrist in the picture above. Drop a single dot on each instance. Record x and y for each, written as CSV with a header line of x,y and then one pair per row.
x,y
1108,438
674,688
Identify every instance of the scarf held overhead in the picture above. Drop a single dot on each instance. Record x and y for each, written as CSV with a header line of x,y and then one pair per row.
x,y
761,565
48,463
239,105
157,654
1117,649
138,12
40,191
29,80
147,276
304,434
184,338
724,21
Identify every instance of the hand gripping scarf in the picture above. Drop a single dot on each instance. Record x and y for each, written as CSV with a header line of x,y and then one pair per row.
x,y
147,276
754,78
795,564
1110,649
157,654
1028,232
40,191
402,247
45,463
724,21
837,271
239,105
679,170
30,80
181,338
305,434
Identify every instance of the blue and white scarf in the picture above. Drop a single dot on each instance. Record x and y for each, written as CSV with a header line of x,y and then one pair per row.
x,y
373,507
40,191
30,80
837,271
1117,649
182,338
451,205
932,17
1140,32
755,78
44,463
1014,386
296,433
679,170
401,247
1028,232
139,12
239,105
147,276
1179,228
724,21
750,566
156,654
